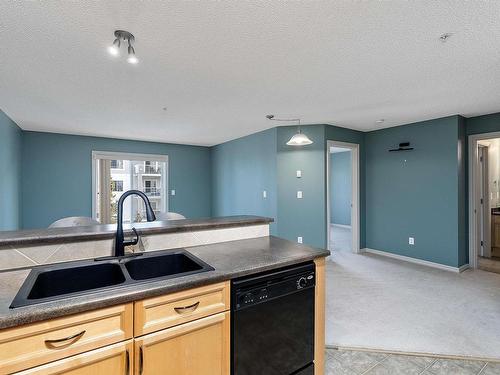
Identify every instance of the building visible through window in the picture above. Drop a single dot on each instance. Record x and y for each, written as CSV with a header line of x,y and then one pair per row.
x,y
115,173
116,185
116,164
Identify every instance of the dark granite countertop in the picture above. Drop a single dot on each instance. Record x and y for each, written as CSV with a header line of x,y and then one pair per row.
x,y
230,260
97,232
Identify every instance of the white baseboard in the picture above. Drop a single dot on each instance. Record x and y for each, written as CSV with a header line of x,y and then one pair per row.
x,y
341,226
416,261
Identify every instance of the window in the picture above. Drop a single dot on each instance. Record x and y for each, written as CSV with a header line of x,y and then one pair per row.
x,y
116,164
116,185
114,173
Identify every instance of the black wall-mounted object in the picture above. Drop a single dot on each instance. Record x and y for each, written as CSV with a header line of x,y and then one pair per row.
x,y
403,146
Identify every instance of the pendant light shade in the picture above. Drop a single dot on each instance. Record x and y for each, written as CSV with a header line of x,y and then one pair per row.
x,y
299,139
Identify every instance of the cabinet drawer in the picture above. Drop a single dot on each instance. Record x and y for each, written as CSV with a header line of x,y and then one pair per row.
x,y
162,312
38,343
114,359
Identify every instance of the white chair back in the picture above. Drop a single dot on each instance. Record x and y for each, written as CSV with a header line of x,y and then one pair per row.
x,y
73,221
164,216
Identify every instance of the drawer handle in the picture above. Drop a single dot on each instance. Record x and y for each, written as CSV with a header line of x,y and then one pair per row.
x,y
141,360
72,339
186,309
127,362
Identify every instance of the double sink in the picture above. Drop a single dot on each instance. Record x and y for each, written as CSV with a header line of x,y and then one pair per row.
x,y
52,282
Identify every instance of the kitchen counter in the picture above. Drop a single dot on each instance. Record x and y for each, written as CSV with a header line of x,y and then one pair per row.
x,y
107,231
230,259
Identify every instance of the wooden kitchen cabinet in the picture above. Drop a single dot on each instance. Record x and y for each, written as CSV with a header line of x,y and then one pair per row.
x,y
114,359
197,347
495,235
154,314
43,342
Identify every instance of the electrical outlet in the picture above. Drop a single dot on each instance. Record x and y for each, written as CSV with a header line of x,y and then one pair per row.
x,y
264,194
172,192
299,174
411,241
299,239
299,194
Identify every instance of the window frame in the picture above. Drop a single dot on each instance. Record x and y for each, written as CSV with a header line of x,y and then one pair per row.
x,y
111,155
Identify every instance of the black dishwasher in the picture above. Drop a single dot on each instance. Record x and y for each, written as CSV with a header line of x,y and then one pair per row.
x,y
272,322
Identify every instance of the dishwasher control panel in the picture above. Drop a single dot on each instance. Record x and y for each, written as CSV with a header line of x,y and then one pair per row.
x,y
274,288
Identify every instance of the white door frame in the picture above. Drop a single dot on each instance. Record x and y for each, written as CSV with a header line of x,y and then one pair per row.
x,y
474,195
355,211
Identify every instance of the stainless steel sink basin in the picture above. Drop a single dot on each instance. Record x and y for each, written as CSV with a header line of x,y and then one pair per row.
x,y
48,283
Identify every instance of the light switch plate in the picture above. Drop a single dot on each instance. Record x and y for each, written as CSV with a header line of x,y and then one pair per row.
x,y
264,194
172,192
299,174
299,239
299,194
411,241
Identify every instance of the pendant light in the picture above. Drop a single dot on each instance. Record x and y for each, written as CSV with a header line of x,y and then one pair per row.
x,y
299,138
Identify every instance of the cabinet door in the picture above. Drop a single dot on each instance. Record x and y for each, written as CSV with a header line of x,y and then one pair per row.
x,y
495,223
110,360
194,348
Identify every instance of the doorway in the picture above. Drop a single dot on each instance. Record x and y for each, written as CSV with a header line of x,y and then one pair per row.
x,y
342,196
484,202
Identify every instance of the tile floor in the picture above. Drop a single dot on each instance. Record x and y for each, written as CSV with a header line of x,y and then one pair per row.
x,y
353,362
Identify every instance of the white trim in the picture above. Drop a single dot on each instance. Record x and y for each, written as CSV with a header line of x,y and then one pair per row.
x,y
473,194
355,211
111,155
416,261
340,226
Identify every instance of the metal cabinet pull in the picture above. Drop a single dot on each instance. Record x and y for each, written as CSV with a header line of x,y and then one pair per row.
x,y
127,362
72,339
185,309
141,360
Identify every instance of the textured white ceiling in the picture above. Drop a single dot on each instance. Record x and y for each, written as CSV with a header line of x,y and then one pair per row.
x,y
220,66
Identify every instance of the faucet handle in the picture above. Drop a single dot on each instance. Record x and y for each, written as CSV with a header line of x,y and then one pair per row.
x,y
134,241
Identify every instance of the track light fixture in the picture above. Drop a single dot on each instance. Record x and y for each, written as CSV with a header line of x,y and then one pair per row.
x,y
125,36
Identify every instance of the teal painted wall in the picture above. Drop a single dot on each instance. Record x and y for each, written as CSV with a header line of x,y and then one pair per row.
x,y
415,193
57,175
244,167
483,124
241,170
340,187
10,172
463,221
304,217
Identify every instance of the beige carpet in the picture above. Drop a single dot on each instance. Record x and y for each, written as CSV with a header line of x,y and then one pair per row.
x,y
374,302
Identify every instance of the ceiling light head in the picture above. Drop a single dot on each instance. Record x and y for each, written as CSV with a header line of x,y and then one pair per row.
x,y
270,117
132,59
381,121
114,50
444,37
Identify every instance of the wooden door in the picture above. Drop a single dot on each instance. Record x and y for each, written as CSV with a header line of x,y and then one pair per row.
x,y
109,360
194,348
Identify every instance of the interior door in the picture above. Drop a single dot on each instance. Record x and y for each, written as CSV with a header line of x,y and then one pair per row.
x,y
484,204
194,348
